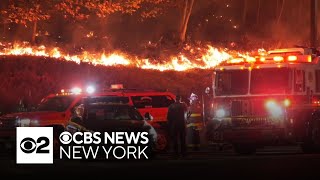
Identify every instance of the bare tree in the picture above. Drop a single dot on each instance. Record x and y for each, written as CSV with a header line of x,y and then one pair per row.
x,y
258,11
187,9
244,12
27,12
145,8
281,11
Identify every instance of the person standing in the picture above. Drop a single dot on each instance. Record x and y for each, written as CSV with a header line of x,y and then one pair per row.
x,y
177,121
195,122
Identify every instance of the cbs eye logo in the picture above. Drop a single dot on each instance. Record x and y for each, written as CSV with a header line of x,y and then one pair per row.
x,y
34,145
29,145
65,138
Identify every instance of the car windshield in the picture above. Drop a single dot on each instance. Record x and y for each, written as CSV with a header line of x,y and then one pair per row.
x,y
232,82
113,112
270,81
108,99
157,101
58,103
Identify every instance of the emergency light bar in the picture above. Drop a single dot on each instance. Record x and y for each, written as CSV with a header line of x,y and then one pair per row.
x,y
272,59
116,86
76,91
298,55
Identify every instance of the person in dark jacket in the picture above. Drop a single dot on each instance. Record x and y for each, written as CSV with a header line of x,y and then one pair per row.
x,y
177,120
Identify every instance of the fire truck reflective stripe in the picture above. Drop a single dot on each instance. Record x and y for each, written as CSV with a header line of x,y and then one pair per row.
x,y
195,115
194,125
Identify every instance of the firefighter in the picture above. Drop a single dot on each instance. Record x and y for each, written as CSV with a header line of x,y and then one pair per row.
x,y
195,122
177,120
207,105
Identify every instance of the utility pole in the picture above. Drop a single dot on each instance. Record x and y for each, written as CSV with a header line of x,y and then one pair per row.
x,y
313,23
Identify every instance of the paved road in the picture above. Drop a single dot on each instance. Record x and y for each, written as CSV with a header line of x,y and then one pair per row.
x,y
280,162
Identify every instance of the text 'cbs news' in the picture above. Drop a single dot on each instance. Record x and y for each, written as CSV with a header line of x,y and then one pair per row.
x,y
37,145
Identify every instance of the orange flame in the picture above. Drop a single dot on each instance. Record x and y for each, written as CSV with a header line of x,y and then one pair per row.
x,y
209,57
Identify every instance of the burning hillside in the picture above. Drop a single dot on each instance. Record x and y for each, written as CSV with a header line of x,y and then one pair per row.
x,y
205,57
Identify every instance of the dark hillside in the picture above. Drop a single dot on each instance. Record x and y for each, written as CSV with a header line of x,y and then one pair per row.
x,y
32,78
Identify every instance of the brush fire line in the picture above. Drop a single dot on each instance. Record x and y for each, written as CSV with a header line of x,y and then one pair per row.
x,y
114,145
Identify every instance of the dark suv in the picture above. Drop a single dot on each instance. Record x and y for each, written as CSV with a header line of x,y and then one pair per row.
x,y
110,117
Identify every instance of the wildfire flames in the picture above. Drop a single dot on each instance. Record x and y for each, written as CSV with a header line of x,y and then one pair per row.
x,y
209,57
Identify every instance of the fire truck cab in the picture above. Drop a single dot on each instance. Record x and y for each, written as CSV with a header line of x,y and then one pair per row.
x,y
270,99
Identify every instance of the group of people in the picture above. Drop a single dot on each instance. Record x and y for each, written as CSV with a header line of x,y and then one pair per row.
x,y
179,116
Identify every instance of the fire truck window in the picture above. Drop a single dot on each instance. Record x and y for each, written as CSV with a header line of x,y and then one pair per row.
x,y
318,80
299,81
270,81
232,82
152,101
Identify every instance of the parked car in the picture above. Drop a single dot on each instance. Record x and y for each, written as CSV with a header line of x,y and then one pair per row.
x,y
110,117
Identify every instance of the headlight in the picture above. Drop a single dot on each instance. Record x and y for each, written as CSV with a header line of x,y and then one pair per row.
x,y
274,109
90,89
220,113
25,122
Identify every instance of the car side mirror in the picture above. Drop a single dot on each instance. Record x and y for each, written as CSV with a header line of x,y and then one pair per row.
x,y
147,116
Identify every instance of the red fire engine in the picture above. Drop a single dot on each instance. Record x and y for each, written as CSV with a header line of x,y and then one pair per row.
x,y
266,100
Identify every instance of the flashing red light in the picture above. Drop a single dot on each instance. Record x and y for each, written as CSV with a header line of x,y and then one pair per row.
x,y
286,102
116,86
316,102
